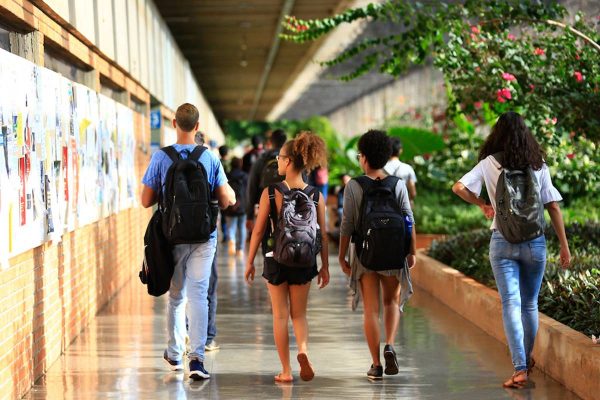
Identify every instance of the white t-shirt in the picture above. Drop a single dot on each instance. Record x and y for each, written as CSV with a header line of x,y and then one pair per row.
x,y
395,167
488,171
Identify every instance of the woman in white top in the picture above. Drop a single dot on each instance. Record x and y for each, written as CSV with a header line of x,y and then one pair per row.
x,y
518,268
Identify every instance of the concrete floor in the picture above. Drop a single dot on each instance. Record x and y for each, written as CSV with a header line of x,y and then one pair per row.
x,y
441,355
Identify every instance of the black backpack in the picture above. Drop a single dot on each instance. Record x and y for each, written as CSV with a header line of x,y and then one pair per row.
x,y
189,213
382,238
519,207
158,265
297,237
269,174
238,184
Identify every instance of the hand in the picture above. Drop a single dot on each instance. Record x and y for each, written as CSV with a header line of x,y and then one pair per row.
x,y
249,225
487,210
249,273
411,260
345,266
565,257
323,277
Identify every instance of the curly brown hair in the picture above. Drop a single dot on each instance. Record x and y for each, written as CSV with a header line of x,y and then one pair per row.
x,y
307,151
511,136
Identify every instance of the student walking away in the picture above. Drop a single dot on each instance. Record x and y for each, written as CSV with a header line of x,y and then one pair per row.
x,y
402,170
188,181
319,178
211,343
517,180
378,219
264,172
291,225
252,155
236,214
224,156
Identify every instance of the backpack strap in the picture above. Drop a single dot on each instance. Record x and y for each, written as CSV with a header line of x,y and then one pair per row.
x,y
171,152
313,193
272,205
197,152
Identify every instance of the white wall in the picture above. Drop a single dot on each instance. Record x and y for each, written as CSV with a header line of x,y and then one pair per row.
x,y
134,35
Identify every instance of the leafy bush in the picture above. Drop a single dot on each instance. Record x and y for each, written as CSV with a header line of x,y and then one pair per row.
x,y
444,212
572,296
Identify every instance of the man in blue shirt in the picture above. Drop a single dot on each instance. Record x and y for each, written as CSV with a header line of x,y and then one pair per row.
x,y
192,261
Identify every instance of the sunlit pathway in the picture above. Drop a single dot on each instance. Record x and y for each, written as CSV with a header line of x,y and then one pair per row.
x,y
441,355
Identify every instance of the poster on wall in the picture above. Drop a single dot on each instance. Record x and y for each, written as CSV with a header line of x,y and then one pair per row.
x,y
67,156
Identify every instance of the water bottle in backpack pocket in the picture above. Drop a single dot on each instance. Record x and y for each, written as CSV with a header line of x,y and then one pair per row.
x,y
383,237
297,234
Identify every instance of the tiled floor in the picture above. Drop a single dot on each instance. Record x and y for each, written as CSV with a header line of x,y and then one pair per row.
x,y
441,355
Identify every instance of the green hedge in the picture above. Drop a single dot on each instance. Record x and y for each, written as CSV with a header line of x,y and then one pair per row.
x,y
571,296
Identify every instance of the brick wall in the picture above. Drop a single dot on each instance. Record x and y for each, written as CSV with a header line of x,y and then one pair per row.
x,y
50,293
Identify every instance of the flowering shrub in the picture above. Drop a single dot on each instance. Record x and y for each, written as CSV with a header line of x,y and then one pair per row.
x,y
526,61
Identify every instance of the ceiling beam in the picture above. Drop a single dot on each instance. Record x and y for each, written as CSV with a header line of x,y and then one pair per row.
x,y
285,10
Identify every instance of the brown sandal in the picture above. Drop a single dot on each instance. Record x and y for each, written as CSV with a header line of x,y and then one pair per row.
x,y
306,370
531,365
512,383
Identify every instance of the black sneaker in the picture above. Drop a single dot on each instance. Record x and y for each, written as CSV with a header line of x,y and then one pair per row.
x,y
375,373
391,362
197,371
172,364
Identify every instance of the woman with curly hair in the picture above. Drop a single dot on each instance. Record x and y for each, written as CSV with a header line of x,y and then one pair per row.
x,y
375,149
289,285
518,267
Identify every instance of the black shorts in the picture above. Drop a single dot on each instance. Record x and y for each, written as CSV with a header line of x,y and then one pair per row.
x,y
276,274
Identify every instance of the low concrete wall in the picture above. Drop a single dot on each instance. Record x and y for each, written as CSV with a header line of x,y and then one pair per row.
x,y
561,352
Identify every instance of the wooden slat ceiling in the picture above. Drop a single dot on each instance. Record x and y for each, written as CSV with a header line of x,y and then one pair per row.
x,y
227,43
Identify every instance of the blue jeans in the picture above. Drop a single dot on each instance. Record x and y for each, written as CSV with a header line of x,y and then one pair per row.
x,y
236,226
190,280
519,270
211,332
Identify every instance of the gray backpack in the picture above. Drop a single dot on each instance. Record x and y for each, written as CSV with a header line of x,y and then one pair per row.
x,y
296,231
519,208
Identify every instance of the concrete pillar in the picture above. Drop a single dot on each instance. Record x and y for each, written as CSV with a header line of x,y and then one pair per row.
x,y
91,79
29,46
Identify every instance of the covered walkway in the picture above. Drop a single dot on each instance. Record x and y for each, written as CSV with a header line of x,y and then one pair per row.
x,y
441,355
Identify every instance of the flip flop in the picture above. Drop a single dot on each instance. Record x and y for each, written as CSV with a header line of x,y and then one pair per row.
x,y
279,379
306,370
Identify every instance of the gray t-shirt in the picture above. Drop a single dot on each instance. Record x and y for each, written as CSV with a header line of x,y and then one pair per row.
x,y
353,197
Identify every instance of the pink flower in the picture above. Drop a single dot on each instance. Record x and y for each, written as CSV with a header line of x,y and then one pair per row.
x,y
474,29
473,36
478,104
570,156
503,94
577,56
539,52
477,69
532,87
578,76
511,36
554,120
508,77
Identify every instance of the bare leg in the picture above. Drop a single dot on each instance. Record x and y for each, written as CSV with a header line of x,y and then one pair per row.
x,y
391,310
298,301
279,302
369,284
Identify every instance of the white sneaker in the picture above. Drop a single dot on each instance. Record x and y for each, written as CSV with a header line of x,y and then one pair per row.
x,y
212,345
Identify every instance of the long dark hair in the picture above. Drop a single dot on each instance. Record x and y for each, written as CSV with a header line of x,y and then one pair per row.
x,y
511,135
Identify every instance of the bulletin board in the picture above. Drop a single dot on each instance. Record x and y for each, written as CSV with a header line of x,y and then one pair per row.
x,y
66,156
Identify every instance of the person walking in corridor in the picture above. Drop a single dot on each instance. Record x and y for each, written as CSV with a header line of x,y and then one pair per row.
x,y
394,251
264,172
287,211
236,214
192,260
511,165
402,170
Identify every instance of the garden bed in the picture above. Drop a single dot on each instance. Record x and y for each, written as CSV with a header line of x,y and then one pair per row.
x,y
563,353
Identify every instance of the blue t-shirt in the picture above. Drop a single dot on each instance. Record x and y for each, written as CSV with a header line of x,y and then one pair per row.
x,y
159,165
